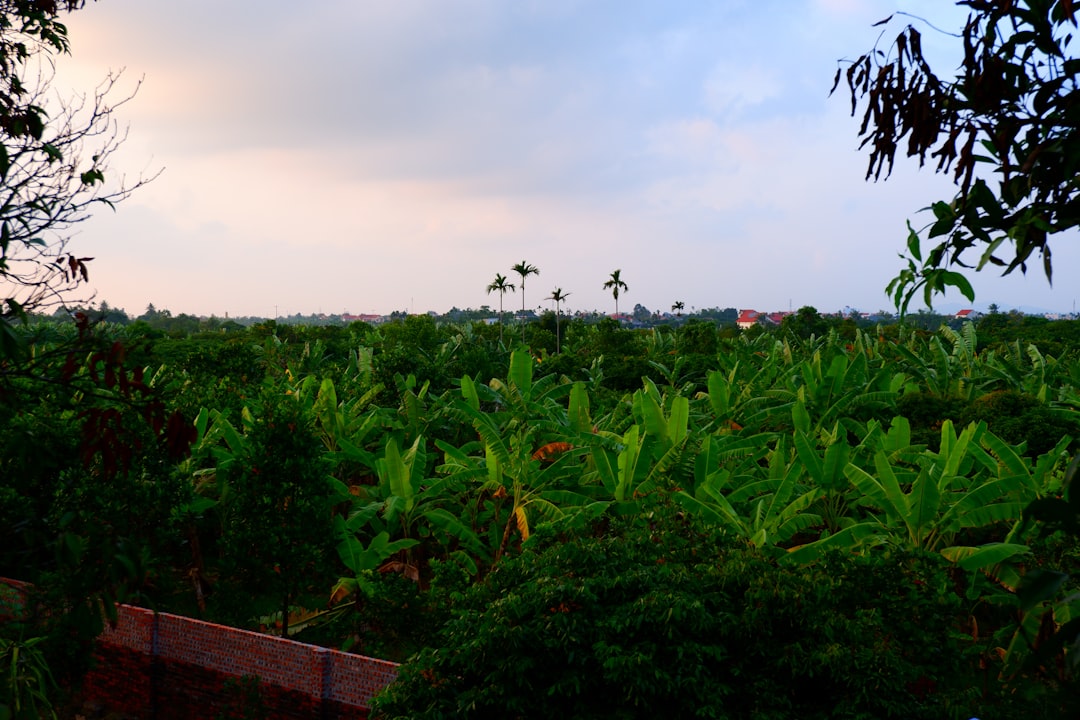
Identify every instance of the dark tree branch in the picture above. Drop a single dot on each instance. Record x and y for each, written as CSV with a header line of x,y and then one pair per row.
x,y
1005,127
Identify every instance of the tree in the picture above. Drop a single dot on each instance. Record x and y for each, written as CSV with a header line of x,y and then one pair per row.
x,y
524,269
109,314
27,28
1009,113
677,307
53,160
500,286
51,185
277,515
806,322
615,284
558,296
669,620
54,155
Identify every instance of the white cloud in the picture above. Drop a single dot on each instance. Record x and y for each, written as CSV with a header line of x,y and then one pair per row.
x,y
732,87
372,155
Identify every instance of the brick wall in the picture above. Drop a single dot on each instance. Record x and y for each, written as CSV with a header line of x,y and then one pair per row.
x,y
12,598
167,667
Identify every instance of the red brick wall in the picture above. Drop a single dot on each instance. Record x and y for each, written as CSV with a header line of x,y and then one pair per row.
x,y
12,598
168,667
171,667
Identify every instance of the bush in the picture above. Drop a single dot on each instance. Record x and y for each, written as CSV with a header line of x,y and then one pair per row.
x,y
671,622
1019,418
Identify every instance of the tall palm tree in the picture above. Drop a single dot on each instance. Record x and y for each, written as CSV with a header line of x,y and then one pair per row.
x,y
558,296
524,269
678,307
615,284
500,286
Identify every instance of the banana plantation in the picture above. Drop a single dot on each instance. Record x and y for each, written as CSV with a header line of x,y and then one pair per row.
x,y
868,525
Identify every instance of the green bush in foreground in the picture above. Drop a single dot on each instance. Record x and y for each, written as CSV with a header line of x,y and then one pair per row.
x,y
670,622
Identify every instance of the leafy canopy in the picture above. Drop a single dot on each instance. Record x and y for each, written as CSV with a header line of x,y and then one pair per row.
x,y
1005,126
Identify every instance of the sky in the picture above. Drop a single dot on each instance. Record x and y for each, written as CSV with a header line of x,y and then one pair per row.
x,y
369,156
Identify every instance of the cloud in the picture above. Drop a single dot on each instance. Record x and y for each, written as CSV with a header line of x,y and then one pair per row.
x,y
374,155
732,88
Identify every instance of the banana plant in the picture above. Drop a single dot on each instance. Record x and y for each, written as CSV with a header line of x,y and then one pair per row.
x,y
765,512
218,445
925,505
616,467
527,456
656,443
517,474
821,396
362,365
519,398
26,683
362,561
413,415
665,421
954,372
411,509
741,393
826,472
346,426
1029,480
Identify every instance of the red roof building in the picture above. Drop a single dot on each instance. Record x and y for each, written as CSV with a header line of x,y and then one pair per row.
x,y
747,319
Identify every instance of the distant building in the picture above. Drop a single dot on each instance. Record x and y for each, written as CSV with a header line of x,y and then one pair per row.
x,y
777,318
370,319
747,319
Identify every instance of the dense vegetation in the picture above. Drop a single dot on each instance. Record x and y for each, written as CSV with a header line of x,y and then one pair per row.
x,y
825,521
679,518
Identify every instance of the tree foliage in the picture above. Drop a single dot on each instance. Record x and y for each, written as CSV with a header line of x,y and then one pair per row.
x,y
277,503
694,488
524,269
51,186
665,620
1005,126
616,284
500,286
54,157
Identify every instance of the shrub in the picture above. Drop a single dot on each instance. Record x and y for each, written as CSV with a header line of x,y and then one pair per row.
x,y
1019,418
667,621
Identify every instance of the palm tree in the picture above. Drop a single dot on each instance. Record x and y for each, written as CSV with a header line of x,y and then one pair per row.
x,y
501,286
558,296
524,269
678,307
615,284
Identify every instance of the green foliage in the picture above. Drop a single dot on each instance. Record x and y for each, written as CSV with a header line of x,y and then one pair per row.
x,y
668,620
524,270
392,619
776,449
1047,637
1012,415
25,680
697,337
806,322
616,285
1019,418
1009,109
276,505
